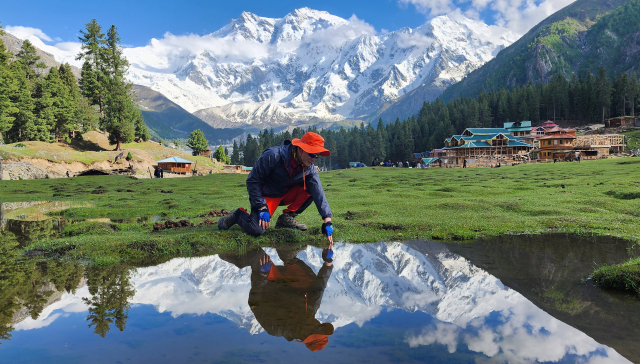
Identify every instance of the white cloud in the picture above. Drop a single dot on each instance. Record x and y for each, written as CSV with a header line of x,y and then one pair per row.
x,y
521,15
27,33
518,16
441,333
63,52
407,40
29,323
338,35
173,51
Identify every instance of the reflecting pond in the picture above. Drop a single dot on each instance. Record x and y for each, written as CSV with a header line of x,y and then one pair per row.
x,y
515,300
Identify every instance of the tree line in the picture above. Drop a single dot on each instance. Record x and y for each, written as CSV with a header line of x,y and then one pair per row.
x,y
581,100
37,104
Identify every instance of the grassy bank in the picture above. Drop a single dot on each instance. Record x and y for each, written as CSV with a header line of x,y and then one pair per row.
x,y
625,276
369,204
94,147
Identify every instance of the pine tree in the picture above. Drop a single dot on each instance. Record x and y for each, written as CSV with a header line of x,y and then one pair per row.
x,y
603,91
251,151
62,102
7,88
142,132
76,100
235,153
632,92
44,112
93,53
197,141
221,155
120,111
29,61
23,106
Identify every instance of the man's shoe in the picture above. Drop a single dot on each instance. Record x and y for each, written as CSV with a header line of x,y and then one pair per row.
x,y
288,221
227,220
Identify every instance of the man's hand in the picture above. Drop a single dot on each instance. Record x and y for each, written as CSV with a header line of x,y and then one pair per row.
x,y
265,264
265,219
327,230
327,255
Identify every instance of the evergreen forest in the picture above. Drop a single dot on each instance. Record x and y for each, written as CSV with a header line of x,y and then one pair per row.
x,y
578,101
39,104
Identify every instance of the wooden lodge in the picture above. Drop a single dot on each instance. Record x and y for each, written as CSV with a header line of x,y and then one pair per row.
x,y
603,144
236,168
205,153
519,141
175,165
622,121
485,146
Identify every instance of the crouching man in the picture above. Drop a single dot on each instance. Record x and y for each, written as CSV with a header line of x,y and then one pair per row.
x,y
284,176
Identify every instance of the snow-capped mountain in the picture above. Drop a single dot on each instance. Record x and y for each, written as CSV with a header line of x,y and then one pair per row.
x,y
259,71
366,280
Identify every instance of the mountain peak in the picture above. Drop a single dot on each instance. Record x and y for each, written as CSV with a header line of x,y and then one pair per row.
x,y
312,65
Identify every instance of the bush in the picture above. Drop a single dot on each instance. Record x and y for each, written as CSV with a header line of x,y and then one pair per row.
x,y
129,157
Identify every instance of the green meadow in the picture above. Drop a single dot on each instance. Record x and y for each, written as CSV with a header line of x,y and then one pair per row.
x,y
111,218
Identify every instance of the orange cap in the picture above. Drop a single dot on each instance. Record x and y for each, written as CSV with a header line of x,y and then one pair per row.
x,y
312,143
316,342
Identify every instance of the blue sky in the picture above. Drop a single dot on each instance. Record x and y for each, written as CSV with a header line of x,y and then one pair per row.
x,y
140,20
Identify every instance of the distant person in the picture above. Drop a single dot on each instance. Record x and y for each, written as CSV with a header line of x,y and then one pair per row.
x,y
464,164
440,162
406,164
376,162
285,298
68,174
279,178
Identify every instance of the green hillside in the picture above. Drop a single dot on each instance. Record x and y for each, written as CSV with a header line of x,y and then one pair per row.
x,y
167,120
578,38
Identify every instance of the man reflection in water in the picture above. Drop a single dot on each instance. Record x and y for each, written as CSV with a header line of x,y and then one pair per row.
x,y
285,299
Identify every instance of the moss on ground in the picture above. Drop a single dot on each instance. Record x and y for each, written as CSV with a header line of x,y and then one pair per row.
x,y
625,276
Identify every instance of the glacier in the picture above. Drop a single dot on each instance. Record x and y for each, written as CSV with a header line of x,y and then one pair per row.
x,y
308,66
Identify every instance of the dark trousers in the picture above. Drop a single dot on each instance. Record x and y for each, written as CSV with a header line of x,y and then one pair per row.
x,y
296,199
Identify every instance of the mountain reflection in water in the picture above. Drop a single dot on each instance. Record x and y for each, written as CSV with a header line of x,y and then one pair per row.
x,y
385,302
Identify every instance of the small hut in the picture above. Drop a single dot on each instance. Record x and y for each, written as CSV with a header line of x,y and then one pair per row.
x,y
175,165
236,168
620,121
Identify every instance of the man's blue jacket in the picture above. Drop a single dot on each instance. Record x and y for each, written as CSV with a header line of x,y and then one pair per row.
x,y
270,178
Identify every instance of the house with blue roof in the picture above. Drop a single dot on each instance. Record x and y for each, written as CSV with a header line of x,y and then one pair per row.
x,y
175,165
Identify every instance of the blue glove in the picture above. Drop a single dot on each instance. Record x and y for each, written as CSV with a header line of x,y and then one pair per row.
x,y
266,267
329,254
265,216
327,228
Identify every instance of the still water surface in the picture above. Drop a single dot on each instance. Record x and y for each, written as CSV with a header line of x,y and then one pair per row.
x,y
514,300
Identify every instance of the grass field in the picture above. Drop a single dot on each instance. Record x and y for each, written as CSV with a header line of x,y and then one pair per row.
x,y
94,147
369,205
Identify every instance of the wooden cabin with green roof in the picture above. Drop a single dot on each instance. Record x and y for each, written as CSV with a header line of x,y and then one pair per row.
x,y
484,146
